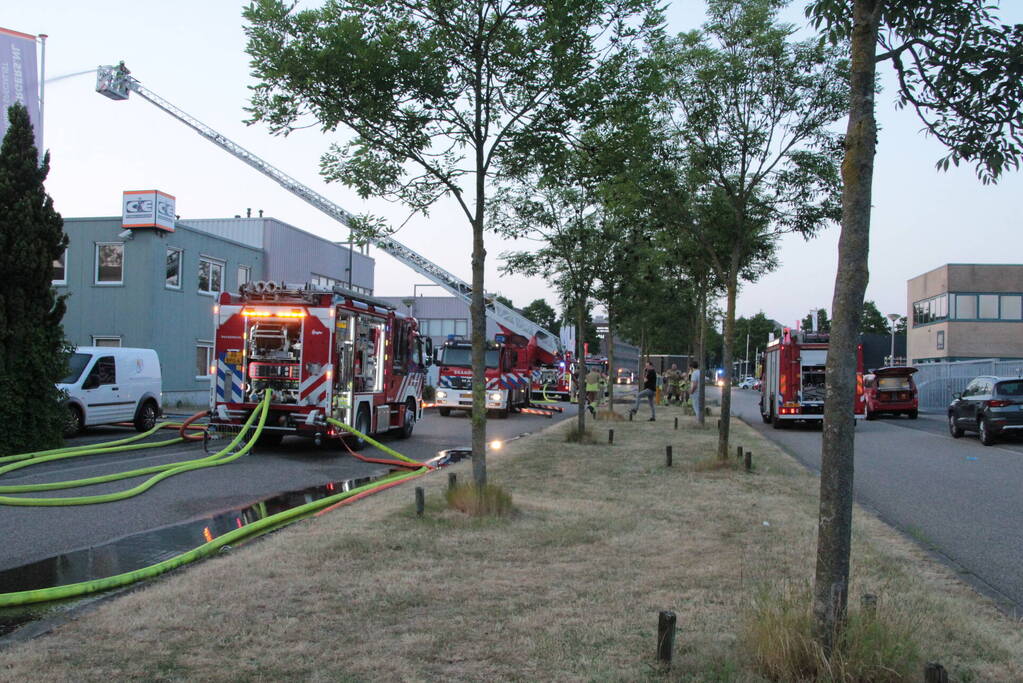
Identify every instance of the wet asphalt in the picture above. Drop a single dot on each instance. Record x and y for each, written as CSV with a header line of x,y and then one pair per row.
x,y
35,533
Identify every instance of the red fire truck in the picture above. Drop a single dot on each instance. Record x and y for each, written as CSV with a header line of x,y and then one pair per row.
x,y
321,354
792,386
508,378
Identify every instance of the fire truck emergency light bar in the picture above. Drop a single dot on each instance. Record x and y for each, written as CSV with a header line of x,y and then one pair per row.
x,y
296,313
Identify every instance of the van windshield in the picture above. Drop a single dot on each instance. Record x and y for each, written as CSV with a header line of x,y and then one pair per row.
x,y
76,363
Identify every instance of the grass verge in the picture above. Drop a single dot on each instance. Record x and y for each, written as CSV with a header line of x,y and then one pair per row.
x,y
568,588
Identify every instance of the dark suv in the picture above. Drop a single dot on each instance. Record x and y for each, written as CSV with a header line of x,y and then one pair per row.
x,y
989,406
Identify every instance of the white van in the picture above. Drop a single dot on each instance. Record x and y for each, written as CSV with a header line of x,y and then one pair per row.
x,y
112,384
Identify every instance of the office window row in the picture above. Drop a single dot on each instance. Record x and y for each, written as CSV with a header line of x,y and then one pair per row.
x,y
442,327
954,306
109,269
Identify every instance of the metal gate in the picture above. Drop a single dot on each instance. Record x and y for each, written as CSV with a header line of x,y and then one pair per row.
x,y
936,382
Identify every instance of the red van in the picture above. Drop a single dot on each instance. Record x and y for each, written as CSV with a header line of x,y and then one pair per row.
x,y
890,390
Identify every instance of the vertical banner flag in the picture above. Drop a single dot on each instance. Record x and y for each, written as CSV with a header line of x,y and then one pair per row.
x,y
19,79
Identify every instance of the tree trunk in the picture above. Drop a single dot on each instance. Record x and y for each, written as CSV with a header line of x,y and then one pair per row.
x,y
610,360
701,358
478,317
580,364
831,584
726,359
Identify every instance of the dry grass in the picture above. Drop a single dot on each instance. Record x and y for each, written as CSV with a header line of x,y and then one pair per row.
x,y
567,589
489,500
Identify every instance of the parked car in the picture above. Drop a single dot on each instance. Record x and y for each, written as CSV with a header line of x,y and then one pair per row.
x,y
112,384
990,406
890,390
747,382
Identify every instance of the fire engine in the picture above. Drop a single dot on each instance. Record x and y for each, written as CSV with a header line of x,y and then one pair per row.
x,y
550,367
792,386
320,353
508,377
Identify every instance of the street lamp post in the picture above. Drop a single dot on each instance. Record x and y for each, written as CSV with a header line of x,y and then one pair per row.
x,y
893,317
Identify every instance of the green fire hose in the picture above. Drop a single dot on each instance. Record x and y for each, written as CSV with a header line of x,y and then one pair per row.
x,y
237,535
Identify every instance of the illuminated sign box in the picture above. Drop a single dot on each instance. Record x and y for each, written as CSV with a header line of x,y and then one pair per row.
x,y
147,209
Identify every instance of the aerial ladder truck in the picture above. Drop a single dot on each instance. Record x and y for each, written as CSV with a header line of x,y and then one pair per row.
x,y
546,356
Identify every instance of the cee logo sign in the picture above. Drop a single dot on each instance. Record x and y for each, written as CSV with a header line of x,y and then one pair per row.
x,y
147,209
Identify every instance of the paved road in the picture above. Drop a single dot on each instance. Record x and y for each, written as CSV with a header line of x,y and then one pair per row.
x,y
34,533
954,496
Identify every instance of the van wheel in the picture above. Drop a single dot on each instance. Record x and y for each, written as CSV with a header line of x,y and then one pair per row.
x,y
953,429
73,421
145,417
986,437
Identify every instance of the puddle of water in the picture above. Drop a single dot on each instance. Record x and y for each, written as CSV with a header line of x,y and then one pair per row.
x,y
150,547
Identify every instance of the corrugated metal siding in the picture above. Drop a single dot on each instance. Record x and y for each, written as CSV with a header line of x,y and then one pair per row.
x,y
142,311
294,255
248,231
438,307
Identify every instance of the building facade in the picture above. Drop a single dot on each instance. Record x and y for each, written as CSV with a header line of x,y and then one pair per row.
x,y
964,311
156,289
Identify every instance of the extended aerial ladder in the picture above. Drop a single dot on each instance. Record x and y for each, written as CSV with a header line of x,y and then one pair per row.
x,y
116,83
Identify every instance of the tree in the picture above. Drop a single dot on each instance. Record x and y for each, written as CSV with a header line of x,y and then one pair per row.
x,y
960,71
433,92
753,110
871,320
540,312
504,300
33,351
823,324
751,335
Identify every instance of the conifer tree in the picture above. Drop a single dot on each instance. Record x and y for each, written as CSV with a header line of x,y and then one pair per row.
x,y
33,351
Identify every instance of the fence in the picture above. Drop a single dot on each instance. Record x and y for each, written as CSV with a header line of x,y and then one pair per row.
x,y
936,382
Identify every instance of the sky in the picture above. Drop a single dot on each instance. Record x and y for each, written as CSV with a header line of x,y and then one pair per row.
x,y
192,53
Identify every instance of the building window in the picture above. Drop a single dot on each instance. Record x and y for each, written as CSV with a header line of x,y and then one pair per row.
x,y
244,275
211,276
1012,308
988,306
204,360
941,340
930,310
442,327
173,276
106,341
60,269
109,263
966,306
323,281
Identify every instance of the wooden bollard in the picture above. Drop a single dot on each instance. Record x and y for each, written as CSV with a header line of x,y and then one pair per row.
x,y
420,501
611,436
665,636
452,480
676,422
667,456
748,462
935,673
630,416
868,602
738,452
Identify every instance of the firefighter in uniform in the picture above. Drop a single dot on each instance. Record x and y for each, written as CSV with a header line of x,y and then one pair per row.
x,y
673,379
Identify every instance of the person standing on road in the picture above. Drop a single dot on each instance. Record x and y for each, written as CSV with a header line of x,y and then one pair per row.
x,y
694,386
593,382
648,391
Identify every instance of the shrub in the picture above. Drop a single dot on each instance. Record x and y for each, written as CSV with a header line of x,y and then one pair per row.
x,y
429,393
575,436
777,627
491,500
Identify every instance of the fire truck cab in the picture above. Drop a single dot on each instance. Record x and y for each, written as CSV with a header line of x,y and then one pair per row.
x,y
507,386
320,353
792,387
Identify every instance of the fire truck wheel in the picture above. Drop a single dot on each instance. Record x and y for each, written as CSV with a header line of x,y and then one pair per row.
x,y
145,417
911,414
361,424
444,412
73,422
779,423
410,420
871,415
